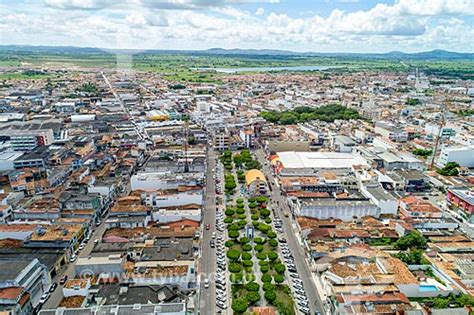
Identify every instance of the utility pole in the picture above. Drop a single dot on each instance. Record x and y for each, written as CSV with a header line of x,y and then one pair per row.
x,y
186,139
438,137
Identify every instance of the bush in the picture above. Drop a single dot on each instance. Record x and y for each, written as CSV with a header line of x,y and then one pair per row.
x,y
246,247
264,269
250,277
272,256
268,287
228,220
266,278
262,199
252,286
268,220
259,240
252,297
234,234
273,243
229,243
261,256
240,211
255,224
263,263
233,254
252,205
241,217
271,234
240,306
246,256
235,267
240,200
258,247
270,296
254,217
279,279
252,200
229,212
280,268
248,263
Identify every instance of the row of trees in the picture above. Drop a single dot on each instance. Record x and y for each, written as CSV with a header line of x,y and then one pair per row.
x,y
302,114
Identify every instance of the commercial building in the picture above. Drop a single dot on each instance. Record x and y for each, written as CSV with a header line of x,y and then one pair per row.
x,y
255,183
32,276
464,156
463,200
309,163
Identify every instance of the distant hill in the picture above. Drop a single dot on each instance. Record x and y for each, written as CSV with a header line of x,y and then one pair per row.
x,y
433,54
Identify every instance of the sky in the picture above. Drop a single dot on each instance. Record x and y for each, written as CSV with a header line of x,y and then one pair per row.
x,y
296,25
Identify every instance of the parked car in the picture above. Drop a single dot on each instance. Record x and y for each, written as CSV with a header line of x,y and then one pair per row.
x,y
63,280
73,258
44,298
53,287
206,283
208,226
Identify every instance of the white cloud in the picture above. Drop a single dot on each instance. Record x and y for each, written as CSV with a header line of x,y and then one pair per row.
x,y
80,4
405,25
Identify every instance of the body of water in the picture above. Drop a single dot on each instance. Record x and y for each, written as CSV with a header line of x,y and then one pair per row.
x,y
428,288
267,69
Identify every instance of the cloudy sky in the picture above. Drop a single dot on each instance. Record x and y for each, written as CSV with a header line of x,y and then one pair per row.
x,y
298,25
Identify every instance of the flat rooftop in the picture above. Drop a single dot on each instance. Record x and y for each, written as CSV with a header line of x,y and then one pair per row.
x,y
321,160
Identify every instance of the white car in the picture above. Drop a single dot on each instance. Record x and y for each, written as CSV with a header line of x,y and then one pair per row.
x,y
73,258
82,246
44,298
213,235
206,283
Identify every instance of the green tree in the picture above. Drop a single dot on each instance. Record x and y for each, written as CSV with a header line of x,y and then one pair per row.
x,y
266,278
272,256
233,254
252,286
253,297
234,234
278,278
280,268
240,306
235,267
246,256
412,240
270,296
450,169
267,286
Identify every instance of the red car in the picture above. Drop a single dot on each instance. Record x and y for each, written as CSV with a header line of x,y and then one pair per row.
x,y
63,280
208,226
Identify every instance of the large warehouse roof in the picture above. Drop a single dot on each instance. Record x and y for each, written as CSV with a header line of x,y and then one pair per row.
x,y
322,160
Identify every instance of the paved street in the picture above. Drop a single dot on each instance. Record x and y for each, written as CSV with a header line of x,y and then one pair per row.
x,y
294,245
207,263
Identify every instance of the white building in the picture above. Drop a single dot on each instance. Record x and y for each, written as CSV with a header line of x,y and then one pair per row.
x,y
167,215
464,156
379,196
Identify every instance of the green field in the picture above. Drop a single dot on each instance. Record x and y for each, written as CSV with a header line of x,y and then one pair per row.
x,y
181,67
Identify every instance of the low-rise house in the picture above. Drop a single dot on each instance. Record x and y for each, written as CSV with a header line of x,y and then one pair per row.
x,y
413,207
15,300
